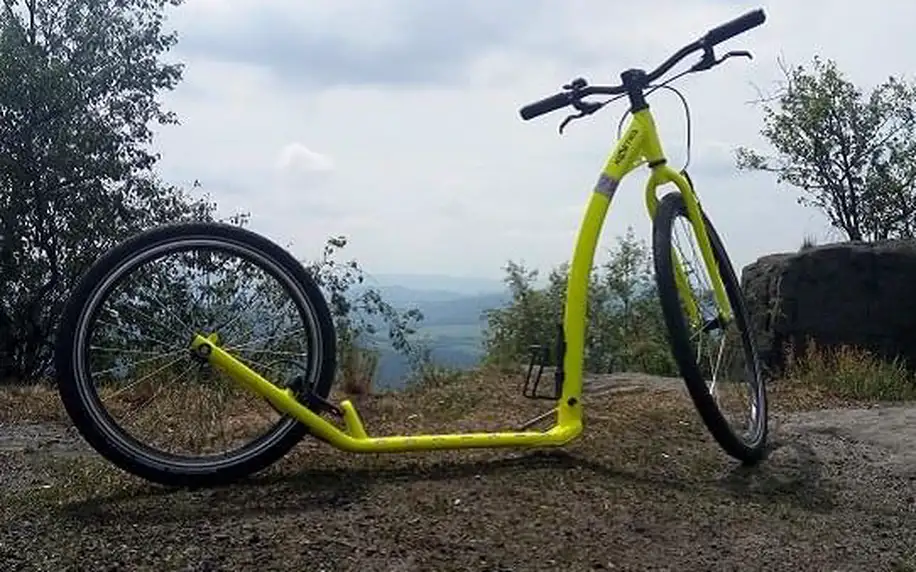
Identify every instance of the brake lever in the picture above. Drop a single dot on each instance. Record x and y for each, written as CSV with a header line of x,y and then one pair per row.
x,y
706,61
569,119
735,53
585,108
709,59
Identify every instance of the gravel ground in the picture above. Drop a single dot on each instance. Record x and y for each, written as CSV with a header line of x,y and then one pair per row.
x,y
644,489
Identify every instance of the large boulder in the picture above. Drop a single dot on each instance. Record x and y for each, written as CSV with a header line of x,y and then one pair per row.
x,y
853,293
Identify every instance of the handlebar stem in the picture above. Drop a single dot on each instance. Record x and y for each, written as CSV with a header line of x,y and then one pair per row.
x,y
635,82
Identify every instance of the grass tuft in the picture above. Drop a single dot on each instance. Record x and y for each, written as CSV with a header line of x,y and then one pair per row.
x,y
851,372
38,403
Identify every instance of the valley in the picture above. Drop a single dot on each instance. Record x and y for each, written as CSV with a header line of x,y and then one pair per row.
x,y
453,325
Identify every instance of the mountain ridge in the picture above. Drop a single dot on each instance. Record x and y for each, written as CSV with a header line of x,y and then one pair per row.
x,y
453,326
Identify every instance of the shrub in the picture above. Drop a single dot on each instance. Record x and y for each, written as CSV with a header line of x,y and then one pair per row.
x,y
625,328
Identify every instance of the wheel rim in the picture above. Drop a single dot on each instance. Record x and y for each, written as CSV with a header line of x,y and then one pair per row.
x,y
171,303
724,354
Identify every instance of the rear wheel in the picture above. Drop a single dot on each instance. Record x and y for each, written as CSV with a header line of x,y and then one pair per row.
x,y
128,380
724,380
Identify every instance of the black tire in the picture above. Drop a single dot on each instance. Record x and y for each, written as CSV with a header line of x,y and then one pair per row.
x,y
96,425
748,451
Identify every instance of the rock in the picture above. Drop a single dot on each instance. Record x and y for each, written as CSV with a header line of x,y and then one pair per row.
x,y
854,293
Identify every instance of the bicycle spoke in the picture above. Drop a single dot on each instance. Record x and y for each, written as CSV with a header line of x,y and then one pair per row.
x,y
707,341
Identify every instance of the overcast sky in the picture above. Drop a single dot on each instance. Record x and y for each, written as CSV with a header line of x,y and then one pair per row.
x,y
395,122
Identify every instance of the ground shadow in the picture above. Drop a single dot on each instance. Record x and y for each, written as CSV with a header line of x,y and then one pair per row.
x,y
792,472
302,491
320,489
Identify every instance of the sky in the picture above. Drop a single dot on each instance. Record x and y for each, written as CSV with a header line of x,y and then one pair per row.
x,y
395,122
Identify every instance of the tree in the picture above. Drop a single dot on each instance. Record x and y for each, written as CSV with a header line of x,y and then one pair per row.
x,y
632,317
853,156
625,328
79,81
532,317
78,87
359,314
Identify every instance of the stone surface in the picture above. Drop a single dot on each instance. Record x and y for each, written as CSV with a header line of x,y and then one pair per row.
x,y
859,294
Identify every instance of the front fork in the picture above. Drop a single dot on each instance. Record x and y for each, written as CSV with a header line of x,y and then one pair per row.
x,y
638,142
662,174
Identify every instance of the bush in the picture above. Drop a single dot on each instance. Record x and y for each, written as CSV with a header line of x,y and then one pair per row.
x,y
358,317
625,328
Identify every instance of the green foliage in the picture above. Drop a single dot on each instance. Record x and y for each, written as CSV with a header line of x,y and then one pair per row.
x,y
852,155
78,85
625,328
530,319
79,81
356,318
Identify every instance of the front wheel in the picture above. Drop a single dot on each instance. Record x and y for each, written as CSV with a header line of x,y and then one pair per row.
x,y
129,382
724,382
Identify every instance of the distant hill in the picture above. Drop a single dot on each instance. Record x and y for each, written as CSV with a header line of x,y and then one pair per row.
x,y
445,308
459,311
456,285
453,324
404,296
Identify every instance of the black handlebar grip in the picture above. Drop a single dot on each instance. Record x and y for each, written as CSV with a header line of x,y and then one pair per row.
x,y
737,26
545,105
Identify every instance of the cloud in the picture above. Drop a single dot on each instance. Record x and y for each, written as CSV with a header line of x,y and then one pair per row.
x,y
297,159
327,43
301,183
395,122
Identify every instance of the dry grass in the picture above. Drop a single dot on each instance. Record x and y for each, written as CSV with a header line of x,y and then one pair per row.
x,y
644,485
637,429
357,370
907,563
31,404
847,377
850,373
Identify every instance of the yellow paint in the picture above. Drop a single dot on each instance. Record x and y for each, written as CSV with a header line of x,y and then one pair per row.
x,y
639,144
353,437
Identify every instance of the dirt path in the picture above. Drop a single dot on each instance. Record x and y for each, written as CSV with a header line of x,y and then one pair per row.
x,y
837,493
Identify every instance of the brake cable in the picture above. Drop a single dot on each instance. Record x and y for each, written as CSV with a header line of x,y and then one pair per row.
x,y
707,61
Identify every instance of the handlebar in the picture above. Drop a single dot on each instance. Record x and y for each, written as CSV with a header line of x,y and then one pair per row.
x,y
548,104
572,93
737,26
